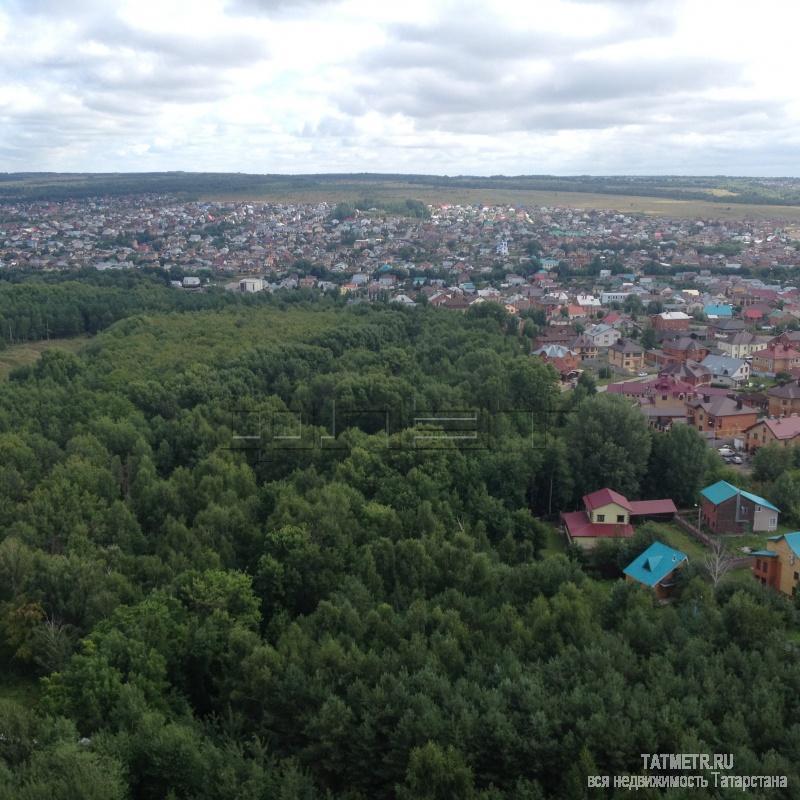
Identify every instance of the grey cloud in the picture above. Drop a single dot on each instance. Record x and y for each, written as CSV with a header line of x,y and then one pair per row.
x,y
573,86
274,7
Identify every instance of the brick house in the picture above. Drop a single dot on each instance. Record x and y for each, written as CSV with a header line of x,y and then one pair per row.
x,y
684,348
626,355
585,347
726,509
722,417
774,358
670,321
783,431
778,566
783,400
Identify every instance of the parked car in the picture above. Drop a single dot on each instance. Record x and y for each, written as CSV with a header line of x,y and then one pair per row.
x,y
736,460
726,451
641,375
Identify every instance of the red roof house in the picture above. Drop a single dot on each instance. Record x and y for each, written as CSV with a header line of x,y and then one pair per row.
x,y
607,515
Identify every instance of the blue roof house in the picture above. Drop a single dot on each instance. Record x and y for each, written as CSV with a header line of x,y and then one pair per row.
x,y
724,508
714,311
656,568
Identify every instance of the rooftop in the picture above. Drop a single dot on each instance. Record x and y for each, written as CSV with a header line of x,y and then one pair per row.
x,y
655,564
721,491
792,539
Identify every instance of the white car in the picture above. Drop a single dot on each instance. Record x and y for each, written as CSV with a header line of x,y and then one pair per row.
x,y
726,451
641,375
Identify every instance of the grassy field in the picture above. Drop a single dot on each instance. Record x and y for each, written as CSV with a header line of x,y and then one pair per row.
x,y
676,537
20,355
681,209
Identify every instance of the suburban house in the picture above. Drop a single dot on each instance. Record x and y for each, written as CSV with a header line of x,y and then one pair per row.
x,y
556,335
727,370
671,321
741,344
602,335
775,358
717,311
723,327
585,347
656,568
691,372
778,566
720,417
783,431
784,399
683,348
726,509
560,357
607,515
627,355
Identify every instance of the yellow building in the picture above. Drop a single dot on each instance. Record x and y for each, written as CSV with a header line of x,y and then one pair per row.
x,y
779,565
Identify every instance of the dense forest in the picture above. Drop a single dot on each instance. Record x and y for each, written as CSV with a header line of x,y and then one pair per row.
x,y
717,189
36,306
241,558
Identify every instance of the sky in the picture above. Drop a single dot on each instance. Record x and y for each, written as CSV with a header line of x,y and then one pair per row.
x,y
482,88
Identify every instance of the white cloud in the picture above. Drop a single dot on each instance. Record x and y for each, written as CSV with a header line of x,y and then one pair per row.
x,y
563,86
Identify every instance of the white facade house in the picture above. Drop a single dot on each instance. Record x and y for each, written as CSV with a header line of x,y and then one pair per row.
x,y
250,285
602,335
727,370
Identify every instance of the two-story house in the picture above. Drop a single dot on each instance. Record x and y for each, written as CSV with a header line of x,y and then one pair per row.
x,y
627,355
778,566
724,508
720,417
783,431
774,358
784,399
608,515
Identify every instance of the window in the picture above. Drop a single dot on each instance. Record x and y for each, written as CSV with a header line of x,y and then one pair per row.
x,y
601,517
758,563
620,518
797,576
773,521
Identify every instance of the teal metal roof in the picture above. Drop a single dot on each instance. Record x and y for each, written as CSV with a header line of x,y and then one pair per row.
x,y
655,564
769,553
712,310
721,491
758,500
793,540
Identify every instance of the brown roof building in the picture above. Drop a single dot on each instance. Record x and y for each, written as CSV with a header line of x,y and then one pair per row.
x,y
721,417
784,399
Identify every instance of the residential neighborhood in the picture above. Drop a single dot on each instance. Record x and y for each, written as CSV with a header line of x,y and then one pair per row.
x,y
647,308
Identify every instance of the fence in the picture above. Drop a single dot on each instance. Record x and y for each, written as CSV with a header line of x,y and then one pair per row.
x,y
706,540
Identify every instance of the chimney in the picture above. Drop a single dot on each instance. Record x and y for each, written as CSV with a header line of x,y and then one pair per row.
x,y
706,398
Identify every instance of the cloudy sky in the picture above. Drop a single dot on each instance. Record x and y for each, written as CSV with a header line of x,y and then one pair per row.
x,y
498,86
